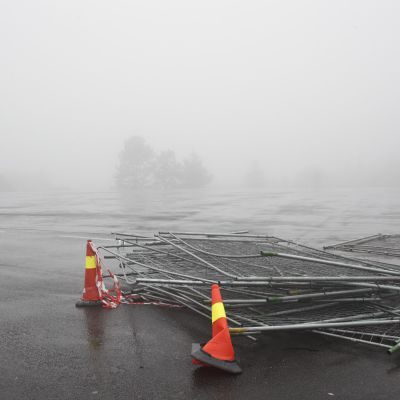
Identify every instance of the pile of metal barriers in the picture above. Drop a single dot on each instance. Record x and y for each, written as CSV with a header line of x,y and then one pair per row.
x,y
267,283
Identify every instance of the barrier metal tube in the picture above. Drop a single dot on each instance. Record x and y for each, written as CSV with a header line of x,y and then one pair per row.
x,y
270,328
274,299
327,262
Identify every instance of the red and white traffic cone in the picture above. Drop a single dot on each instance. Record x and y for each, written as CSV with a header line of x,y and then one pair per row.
x,y
92,295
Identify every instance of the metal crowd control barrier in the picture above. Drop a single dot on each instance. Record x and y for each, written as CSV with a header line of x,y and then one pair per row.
x,y
386,245
267,283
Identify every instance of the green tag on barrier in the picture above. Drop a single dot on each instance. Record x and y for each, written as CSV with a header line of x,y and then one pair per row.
x,y
268,253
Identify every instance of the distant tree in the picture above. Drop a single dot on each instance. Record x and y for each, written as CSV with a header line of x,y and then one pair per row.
x,y
4,184
135,169
255,176
167,170
311,177
194,174
139,166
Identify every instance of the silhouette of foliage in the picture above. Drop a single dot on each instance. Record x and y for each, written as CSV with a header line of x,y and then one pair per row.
x,y
136,162
167,170
255,176
193,172
139,167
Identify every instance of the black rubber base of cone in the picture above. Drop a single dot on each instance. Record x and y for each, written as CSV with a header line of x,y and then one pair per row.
x,y
200,355
88,303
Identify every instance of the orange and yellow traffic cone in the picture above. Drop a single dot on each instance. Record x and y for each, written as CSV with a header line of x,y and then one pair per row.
x,y
218,352
91,294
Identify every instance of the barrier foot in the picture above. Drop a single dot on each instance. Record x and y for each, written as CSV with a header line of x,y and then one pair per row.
x,y
204,358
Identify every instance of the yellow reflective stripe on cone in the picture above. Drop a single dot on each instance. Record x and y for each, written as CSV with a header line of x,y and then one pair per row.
x,y
90,262
217,311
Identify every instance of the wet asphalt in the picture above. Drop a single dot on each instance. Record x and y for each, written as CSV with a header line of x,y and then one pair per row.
x,y
51,350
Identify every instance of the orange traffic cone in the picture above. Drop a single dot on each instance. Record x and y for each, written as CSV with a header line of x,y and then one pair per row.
x,y
218,352
91,294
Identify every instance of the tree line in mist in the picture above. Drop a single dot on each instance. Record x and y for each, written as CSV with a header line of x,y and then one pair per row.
x,y
140,166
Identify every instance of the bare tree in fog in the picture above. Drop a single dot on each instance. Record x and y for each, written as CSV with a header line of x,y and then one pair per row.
x,y
140,166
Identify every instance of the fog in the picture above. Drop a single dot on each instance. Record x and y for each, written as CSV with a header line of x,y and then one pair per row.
x,y
306,90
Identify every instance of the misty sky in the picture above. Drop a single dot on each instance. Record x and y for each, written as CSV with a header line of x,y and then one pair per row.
x,y
297,86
